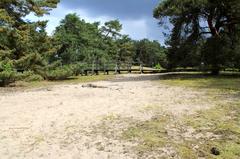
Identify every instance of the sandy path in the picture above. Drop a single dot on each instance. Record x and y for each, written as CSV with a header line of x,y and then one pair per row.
x,y
54,123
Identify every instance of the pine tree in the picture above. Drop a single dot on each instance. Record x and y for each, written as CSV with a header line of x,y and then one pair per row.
x,y
201,26
24,45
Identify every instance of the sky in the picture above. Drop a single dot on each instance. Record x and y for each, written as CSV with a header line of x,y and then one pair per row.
x,y
135,15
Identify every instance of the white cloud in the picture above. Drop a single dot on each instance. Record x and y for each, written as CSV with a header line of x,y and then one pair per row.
x,y
137,28
60,12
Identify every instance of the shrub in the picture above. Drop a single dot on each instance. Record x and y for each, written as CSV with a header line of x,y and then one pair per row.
x,y
59,73
158,66
33,78
7,74
29,76
78,68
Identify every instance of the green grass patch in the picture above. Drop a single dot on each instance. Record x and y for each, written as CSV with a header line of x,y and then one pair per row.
x,y
201,81
150,134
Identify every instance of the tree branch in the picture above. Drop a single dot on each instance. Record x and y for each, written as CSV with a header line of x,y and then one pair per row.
x,y
207,32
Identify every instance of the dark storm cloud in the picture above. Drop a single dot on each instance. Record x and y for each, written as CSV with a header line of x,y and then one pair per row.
x,y
122,9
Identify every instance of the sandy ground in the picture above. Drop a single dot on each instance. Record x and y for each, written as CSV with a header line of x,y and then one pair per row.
x,y
57,122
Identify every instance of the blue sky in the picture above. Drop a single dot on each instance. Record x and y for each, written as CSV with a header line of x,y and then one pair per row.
x,y
135,15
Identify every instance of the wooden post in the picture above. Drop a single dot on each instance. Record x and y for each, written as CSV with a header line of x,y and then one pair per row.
x,y
85,72
96,72
104,69
141,68
129,68
116,69
97,67
119,69
107,69
82,71
93,67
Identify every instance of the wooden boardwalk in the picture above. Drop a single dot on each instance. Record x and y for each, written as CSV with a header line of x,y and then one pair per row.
x,y
141,71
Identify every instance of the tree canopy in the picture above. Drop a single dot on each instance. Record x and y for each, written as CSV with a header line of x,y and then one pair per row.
x,y
19,48
205,31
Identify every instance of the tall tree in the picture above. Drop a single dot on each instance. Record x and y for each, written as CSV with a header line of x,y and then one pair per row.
x,y
111,34
111,29
71,37
22,42
209,23
125,49
150,53
79,41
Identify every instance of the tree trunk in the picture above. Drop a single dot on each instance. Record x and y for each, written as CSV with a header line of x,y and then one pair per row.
x,y
211,26
215,71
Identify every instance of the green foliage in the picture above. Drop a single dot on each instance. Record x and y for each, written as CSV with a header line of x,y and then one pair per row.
x,y
204,31
59,73
71,36
125,49
84,42
112,29
74,46
158,66
34,78
78,68
7,74
150,53
29,76
24,45
80,41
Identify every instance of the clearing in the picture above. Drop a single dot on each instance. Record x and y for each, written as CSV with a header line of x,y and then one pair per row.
x,y
126,117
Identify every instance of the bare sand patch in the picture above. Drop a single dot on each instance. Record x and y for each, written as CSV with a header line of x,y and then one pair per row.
x,y
57,122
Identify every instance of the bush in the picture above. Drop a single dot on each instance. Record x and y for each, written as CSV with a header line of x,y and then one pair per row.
x,y
59,73
78,68
34,78
6,77
7,74
158,66
29,76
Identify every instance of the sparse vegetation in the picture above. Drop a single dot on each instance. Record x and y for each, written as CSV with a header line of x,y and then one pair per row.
x,y
213,131
200,81
150,134
71,80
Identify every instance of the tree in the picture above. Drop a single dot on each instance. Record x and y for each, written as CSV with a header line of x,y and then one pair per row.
x,y
20,39
125,49
81,41
71,36
110,36
201,24
111,29
150,53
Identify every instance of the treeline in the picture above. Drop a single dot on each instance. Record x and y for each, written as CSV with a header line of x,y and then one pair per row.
x,y
92,43
28,53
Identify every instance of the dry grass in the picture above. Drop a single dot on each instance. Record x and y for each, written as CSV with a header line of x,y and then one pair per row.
x,y
193,136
